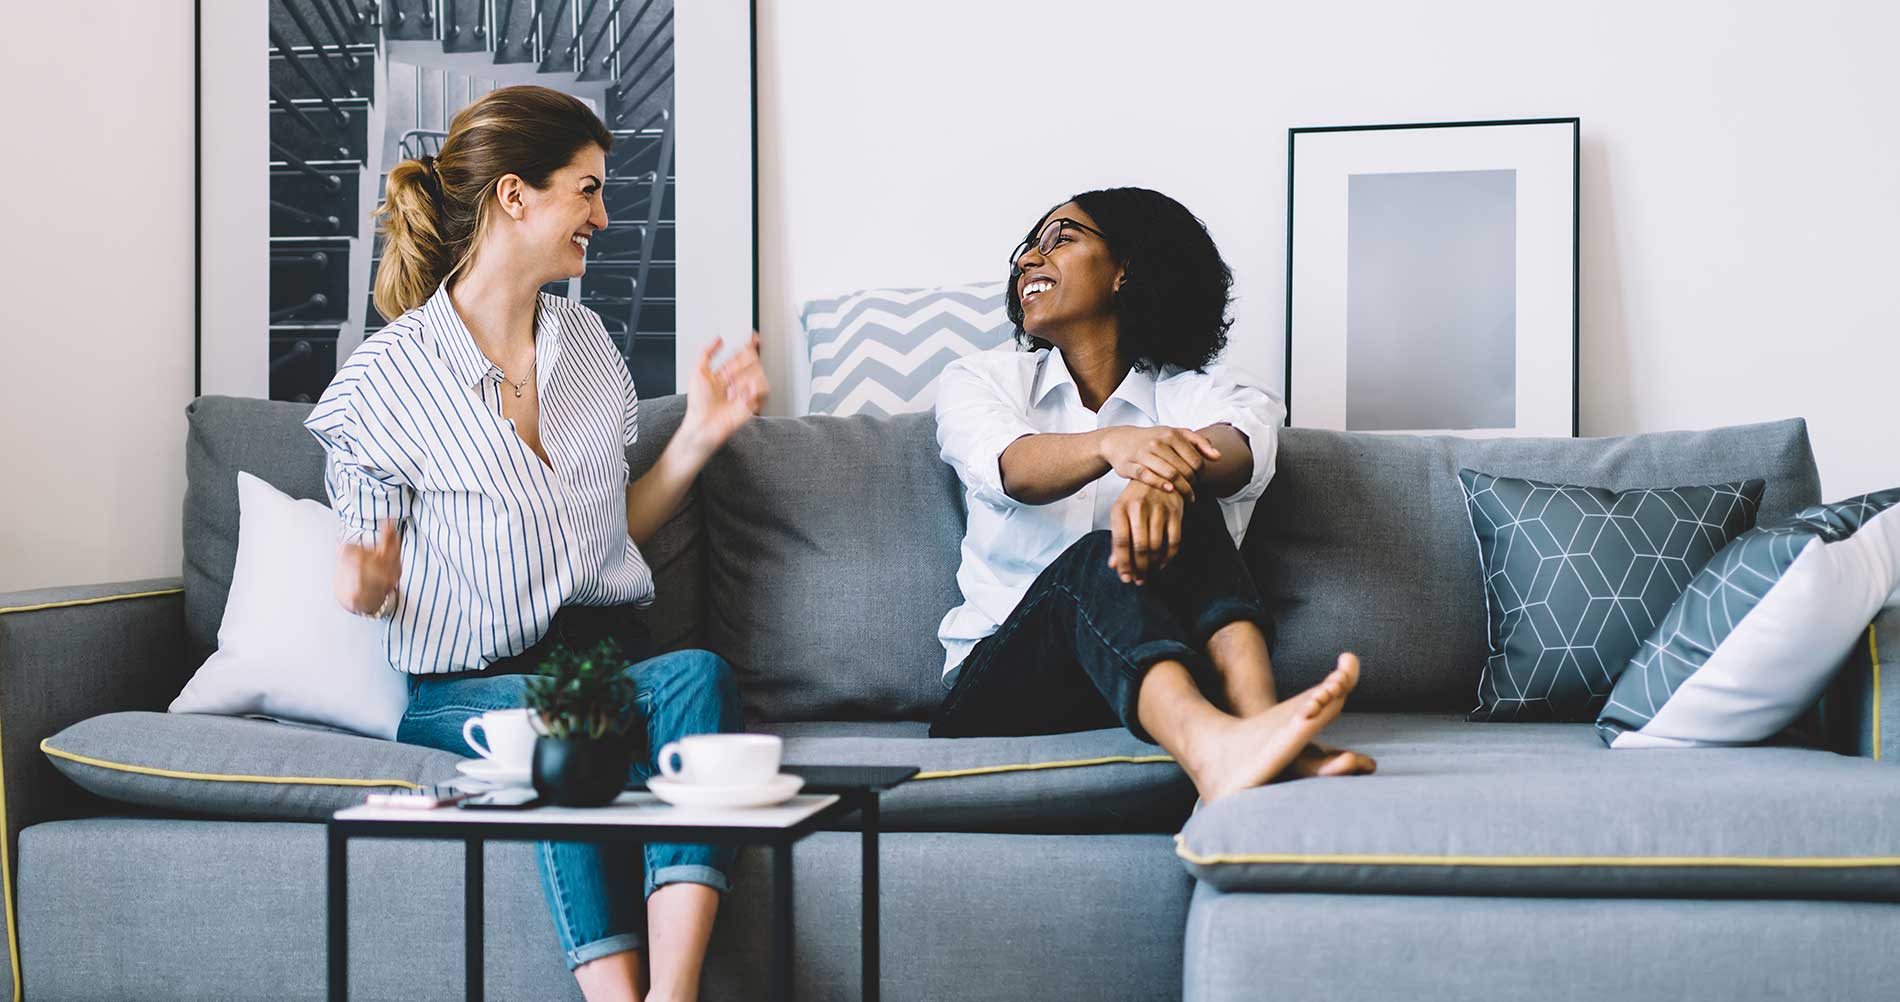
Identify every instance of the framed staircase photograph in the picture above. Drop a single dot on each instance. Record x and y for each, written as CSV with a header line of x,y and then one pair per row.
x,y
304,106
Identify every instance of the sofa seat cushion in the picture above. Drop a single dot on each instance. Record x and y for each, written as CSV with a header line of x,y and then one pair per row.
x,y
1543,809
237,767
1088,781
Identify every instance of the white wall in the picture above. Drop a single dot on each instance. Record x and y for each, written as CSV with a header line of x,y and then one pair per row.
x,y
1740,175
96,278
1741,200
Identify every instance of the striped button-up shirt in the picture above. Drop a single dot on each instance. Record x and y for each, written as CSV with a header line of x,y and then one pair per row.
x,y
494,540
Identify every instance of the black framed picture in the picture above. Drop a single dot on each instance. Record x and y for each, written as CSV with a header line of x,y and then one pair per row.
x,y
305,105
1432,278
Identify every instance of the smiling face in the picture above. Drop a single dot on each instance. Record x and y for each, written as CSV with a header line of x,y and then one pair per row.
x,y
1071,289
556,222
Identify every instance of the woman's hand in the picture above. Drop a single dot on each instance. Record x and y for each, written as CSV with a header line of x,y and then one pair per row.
x,y
1164,458
719,402
366,576
1145,526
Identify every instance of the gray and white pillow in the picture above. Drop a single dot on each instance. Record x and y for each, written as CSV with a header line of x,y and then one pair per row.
x,y
1757,635
879,351
1576,577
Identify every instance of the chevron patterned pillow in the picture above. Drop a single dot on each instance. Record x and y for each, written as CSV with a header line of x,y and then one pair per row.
x,y
879,351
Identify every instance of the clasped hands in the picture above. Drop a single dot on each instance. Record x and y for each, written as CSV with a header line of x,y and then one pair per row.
x,y
1161,465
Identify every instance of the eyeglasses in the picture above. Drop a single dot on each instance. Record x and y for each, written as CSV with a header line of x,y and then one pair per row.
x,y
1046,241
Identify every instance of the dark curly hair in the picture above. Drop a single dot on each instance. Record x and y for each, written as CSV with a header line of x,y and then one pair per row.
x,y
1174,296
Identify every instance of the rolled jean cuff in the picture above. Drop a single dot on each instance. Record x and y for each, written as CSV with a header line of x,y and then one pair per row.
x,y
687,873
1141,657
619,942
1226,611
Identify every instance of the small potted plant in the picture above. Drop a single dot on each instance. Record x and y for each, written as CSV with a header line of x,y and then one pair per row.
x,y
584,703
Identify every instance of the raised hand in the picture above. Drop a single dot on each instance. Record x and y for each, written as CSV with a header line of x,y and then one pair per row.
x,y
1145,531
719,402
366,576
1164,458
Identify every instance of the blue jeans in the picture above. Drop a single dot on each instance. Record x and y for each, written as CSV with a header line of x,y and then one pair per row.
x,y
597,893
1072,655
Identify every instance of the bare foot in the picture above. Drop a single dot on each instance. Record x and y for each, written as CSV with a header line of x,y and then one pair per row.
x,y
1240,754
1317,760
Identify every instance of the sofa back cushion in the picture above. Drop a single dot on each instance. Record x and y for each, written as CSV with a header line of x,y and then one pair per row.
x,y
267,439
832,548
831,557
1362,542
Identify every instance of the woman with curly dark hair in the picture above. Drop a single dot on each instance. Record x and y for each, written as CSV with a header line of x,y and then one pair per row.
x,y
1109,475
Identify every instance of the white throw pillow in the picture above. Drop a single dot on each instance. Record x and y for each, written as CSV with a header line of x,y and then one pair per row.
x,y
286,649
1760,631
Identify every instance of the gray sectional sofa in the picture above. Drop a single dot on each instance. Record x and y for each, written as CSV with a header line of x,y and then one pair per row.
x,y
159,856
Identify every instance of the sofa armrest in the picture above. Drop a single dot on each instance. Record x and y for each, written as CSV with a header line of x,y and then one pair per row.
x,y
67,654
1862,706
71,653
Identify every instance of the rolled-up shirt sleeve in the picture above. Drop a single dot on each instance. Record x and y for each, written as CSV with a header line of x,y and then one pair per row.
x,y
1231,398
976,421
362,472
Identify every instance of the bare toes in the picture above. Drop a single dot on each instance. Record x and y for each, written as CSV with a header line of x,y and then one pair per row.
x,y
1339,765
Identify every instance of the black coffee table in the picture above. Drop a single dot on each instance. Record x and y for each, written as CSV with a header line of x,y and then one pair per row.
x,y
830,793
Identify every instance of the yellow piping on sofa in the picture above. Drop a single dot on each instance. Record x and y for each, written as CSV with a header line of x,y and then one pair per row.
x,y
1079,763
1402,859
222,777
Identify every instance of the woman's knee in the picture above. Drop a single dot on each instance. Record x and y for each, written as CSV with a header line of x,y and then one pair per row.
x,y
1086,559
697,679
1206,522
1093,549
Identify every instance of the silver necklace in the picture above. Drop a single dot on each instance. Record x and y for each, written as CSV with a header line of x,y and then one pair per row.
x,y
523,382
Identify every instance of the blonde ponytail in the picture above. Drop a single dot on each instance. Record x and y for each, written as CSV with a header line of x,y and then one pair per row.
x,y
415,255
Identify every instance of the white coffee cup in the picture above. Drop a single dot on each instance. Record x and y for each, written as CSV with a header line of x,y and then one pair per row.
x,y
507,737
722,759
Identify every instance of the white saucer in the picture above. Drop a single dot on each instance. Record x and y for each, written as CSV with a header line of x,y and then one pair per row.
x,y
489,771
778,789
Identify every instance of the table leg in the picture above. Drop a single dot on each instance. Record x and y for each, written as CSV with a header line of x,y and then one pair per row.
x,y
337,897
781,973
868,818
472,918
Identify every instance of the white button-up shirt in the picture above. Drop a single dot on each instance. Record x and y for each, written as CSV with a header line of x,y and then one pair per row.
x,y
494,541
989,400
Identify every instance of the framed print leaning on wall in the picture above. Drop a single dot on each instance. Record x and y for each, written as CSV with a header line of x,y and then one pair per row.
x,y
1432,278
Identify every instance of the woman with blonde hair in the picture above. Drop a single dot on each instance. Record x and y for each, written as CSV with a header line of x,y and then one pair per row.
x,y
476,463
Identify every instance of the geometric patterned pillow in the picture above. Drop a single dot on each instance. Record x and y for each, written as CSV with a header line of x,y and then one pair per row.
x,y
879,351
1576,577
1758,634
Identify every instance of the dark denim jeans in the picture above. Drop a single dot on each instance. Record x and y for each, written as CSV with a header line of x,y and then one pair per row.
x,y
597,893
1072,654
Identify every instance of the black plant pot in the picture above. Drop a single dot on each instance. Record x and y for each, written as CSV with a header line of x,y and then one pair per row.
x,y
581,772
